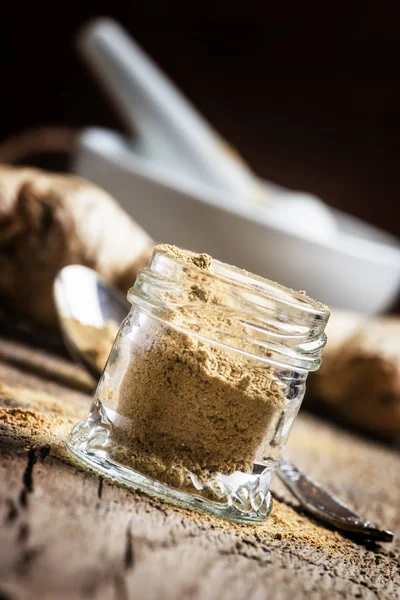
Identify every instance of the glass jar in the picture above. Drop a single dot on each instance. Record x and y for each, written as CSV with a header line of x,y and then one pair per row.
x,y
202,385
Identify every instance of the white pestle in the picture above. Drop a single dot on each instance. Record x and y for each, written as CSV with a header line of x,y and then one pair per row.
x,y
170,131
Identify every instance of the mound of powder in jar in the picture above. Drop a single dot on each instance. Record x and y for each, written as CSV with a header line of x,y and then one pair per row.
x,y
188,407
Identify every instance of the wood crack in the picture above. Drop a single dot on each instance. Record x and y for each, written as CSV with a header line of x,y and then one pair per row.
x,y
12,512
23,533
27,478
100,488
27,558
129,557
44,452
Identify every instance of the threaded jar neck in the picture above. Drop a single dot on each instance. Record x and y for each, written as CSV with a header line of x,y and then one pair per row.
x,y
230,307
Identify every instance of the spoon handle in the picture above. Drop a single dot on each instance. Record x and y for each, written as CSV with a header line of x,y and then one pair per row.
x,y
324,506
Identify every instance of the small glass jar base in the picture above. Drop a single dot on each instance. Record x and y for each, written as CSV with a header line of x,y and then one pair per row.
x,y
98,461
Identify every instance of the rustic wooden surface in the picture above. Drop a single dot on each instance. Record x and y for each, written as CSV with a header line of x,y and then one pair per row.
x,y
66,534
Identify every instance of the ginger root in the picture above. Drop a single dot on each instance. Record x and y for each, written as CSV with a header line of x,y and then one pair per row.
x,y
48,221
359,379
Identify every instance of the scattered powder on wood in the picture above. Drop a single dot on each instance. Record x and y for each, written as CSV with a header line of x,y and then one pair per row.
x,y
37,419
26,419
190,407
284,525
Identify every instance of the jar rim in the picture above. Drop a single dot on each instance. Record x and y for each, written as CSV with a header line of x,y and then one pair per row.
x,y
288,296
297,300
278,321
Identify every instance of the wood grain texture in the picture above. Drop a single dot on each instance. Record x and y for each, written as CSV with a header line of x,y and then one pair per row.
x,y
65,533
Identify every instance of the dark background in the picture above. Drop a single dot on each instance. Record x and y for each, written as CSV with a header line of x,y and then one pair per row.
x,y
311,100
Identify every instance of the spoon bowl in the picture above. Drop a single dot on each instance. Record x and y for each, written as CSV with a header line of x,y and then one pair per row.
x,y
81,295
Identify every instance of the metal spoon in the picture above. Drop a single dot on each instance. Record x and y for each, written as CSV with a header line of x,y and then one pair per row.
x,y
81,294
